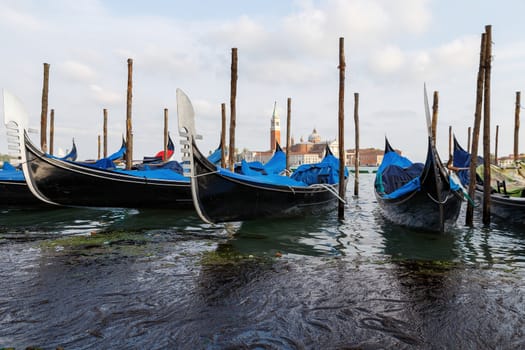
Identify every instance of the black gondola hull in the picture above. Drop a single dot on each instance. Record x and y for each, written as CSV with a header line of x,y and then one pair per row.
x,y
17,194
71,184
510,210
432,207
220,198
417,210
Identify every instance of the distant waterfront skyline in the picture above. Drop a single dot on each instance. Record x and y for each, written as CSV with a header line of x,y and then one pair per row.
x,y
285,49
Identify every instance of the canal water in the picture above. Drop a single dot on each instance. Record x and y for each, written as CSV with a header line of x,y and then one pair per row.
x,y
145,279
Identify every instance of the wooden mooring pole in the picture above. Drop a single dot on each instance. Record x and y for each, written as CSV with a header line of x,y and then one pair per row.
x,y
105,132
43,114
356,158
486,127
223,135
450,151
469,218
233,109
51,131
288,141
517,125
129,131
435,104
468,138
496,146
342,67
98,147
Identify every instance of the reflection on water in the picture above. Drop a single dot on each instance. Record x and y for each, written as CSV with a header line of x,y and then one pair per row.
x,y
309,236
125,278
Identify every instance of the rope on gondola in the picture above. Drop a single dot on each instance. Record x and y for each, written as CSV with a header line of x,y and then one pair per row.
x,y
205,174
331,190
438,202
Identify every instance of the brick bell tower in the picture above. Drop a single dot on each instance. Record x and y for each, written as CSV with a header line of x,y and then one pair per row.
x,y
275,129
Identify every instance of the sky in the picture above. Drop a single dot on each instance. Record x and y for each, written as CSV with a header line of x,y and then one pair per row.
x,y
286,49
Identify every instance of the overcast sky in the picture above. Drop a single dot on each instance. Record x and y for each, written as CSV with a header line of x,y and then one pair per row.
x,y
285,49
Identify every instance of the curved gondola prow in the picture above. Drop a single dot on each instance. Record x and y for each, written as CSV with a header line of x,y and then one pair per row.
x,y
278,147
457,146
16,120
29,147
186,121
72,155
388,147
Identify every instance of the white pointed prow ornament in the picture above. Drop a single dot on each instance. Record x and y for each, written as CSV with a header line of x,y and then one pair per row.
x,y
16,121
186,118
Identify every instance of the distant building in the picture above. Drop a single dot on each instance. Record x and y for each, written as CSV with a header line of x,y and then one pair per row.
x,y
367,156
508,161
303,152
312,150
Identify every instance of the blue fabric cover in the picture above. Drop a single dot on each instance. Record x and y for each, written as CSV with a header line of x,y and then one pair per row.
x,y
251,168
215,157
461,159
10,173
275,165
326,172
172,165
103,163
397,176
412,185
160,174
276,180
107,163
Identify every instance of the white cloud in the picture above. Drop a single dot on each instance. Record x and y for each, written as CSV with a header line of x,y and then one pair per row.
x,y
19,20
106,97
77,71
388,60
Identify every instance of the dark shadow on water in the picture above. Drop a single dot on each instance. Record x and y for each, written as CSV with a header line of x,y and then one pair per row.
x,y
401,243
307,236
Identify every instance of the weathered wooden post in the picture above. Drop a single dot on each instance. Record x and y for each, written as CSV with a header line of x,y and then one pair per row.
x,y
342,67
51,131
129,131
486,127
356,158
496,146
450,151
469,218
233,110
98,148
288,121
165,155
43,115
468,139
517,125
435,103
223,135
105,132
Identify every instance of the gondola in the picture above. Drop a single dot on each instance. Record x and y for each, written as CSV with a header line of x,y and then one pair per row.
x,y
68,183
14,191
507,198
419,196
220,195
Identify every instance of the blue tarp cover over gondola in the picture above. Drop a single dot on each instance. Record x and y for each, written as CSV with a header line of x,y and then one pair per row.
x,y
397,175
461,160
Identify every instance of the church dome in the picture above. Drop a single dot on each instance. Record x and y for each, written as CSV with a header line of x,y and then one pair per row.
x,y
314,137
